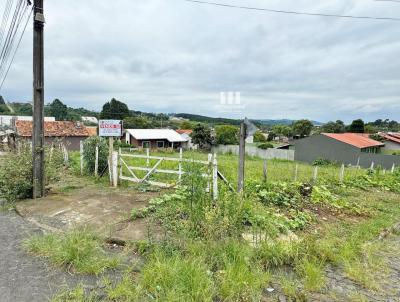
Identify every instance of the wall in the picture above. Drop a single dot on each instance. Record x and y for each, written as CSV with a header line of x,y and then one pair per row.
x,y
391,146
319,146
71,143
254,151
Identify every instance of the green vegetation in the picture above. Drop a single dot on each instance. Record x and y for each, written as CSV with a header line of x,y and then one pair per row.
x,y
227,135
77,251
89,154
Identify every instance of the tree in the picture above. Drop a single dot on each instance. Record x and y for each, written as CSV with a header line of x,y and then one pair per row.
x,y
302,128
227,135
334,127
114,110
259,137
2,102
357,126
186,125
58,110
137,122
370,129
202,136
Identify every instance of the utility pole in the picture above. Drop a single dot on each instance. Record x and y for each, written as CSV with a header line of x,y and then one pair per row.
x,y
38,100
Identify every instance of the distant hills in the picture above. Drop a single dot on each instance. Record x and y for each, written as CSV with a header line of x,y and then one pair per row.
x,y
219,120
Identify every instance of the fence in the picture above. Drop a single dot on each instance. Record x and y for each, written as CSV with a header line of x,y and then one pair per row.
x,y
257,152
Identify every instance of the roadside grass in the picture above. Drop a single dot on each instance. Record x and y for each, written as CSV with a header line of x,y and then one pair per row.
x,y
77,294
78,251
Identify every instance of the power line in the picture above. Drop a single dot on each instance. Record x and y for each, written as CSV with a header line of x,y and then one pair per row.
x,y
292,12
16,49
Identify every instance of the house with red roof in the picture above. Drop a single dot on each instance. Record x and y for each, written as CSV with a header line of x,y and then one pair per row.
x,y
391,139
66,132
347,148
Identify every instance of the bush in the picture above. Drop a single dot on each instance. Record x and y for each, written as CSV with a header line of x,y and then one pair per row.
x,y
89,154
16,172
259,137
266,146
323,162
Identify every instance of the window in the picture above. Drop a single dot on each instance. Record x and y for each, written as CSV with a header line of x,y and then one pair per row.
x,y
146,144
160,144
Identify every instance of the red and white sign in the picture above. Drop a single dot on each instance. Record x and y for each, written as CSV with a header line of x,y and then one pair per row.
x,y
110,128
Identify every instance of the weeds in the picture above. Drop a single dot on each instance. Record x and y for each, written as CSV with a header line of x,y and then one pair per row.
x,y
77,250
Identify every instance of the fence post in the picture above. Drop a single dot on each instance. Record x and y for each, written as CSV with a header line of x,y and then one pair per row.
x,y
393,167
358,162
81,153
96,163
119,164
315,174
180,164
341,176
296,172
115,168
51,151
215,178
148,159
372,165
210,161
265,170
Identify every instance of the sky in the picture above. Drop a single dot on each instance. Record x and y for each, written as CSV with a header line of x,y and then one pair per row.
x,y
173,56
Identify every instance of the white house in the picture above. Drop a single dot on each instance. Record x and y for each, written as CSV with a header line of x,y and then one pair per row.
x,y
154,138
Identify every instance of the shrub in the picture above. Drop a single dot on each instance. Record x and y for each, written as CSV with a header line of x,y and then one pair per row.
x,y
265,146
16,172
323,162
89,154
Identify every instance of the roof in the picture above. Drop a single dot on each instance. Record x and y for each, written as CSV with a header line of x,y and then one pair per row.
x,y
92,131
355,140
152,134
184,131
53,129
393,137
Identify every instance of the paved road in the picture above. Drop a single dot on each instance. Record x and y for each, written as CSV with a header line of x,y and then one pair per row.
x,y
24,278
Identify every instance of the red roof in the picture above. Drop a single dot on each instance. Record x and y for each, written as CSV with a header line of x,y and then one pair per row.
x,y
53,129
355,140
393,137
183,131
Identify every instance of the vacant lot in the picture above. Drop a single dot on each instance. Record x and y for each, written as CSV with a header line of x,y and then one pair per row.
x,y
280,240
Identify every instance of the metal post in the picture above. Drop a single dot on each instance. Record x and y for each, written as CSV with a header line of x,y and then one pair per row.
x,y
242,152
38,101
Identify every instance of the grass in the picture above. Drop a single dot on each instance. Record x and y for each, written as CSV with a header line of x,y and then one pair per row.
x,y
77,294
77,251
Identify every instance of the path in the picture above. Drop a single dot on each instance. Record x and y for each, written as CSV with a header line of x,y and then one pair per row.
x,y
24,278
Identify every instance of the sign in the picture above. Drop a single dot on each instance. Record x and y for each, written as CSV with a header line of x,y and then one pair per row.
x,y
110,128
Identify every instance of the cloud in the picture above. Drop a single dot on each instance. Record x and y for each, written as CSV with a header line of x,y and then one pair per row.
x,y
175,56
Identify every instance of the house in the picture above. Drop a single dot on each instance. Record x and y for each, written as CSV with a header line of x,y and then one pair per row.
x,y
346,148
9,120
392,140
186,134
154,138
69,133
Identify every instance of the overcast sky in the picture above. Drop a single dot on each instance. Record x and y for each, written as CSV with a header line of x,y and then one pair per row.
x,y
174,56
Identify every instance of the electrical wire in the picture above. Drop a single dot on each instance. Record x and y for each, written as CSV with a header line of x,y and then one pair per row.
x,y
16,49
292,12
4,21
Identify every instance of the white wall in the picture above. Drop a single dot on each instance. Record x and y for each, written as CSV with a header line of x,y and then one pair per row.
x,y
254,151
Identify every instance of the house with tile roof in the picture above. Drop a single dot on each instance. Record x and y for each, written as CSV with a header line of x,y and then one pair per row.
x,y
347,148
69,133
391,140
154,138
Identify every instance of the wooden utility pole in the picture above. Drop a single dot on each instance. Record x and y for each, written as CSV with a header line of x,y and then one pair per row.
x,y
38,100
242,152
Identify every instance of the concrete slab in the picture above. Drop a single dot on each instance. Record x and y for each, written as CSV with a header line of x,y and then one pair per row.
x,y
105,210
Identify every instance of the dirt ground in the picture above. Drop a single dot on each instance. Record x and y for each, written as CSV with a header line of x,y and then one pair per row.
x,y
101,208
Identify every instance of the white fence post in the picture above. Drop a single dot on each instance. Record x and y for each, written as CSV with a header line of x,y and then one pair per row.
x,y
393,167
341,176
210,171
180,164
81,152
115,168
119,164
148,159
96,163
372,165
215,178
315,174
296,172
